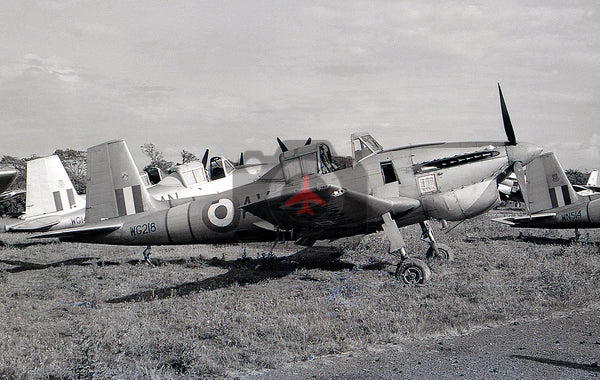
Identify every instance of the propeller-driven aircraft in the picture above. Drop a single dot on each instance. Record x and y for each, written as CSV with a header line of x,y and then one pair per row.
x,y
310,195
553,202
7,177
591,185
52,202
199,178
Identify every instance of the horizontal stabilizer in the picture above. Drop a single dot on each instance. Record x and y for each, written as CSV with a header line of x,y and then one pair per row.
x,y
10,195
79,231
37,224
523,221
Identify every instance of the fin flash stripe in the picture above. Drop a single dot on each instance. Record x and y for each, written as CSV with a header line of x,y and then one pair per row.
x,y
129,200
560,198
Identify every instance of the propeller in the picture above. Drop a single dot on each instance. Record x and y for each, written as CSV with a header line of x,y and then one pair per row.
x,y
282,145
205,158
512,140
508,128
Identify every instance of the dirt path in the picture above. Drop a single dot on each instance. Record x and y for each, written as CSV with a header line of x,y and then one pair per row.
x,y
561,347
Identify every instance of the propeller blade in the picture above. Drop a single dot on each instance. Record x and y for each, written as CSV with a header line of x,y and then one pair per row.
x,y
518,169
308,141
508,128
282,145
205,158
241,161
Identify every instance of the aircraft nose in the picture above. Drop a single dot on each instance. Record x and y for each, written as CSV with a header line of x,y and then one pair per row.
x,y
523,152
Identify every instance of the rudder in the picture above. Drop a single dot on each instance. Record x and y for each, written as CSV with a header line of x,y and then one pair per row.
x,y
49,189
593,179
114,185
547,184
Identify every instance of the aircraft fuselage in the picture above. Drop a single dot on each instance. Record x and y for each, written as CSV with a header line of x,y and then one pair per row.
x,y
452,181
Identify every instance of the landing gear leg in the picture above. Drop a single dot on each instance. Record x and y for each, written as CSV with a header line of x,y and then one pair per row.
x,y
411,271
435,250
577,234
147,254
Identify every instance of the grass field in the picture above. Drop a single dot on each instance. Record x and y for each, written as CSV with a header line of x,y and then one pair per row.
x,y
78,310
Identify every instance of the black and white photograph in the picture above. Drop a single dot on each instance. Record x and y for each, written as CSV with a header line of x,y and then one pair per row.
x,y
358,189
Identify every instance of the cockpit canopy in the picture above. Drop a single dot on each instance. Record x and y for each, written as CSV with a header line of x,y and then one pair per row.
x,y
194,173
307,160
219,167
363,146
190,173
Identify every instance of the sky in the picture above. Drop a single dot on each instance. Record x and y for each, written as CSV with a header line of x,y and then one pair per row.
x,y
233,75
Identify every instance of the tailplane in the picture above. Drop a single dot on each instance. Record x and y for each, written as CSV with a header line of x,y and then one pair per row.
x,y
114,186
547,184
49,189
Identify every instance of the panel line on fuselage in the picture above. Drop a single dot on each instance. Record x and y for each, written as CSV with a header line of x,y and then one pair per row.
x,y
189,220
167,227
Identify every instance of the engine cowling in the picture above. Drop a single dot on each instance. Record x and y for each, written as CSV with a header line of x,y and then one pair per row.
x,y
462,203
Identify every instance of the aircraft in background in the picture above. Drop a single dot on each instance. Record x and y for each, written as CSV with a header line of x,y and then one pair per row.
x,y
552,200
377,189
51,200
204,177
53,204
7,178
591,186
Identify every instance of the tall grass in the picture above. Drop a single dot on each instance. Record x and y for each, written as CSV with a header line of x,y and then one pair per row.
x,y
207,310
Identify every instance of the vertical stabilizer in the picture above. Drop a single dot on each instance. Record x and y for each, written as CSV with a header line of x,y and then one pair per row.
x,y
49,189
593,179
547,184
114,185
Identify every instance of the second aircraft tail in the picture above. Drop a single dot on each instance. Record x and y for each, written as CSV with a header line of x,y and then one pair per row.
x,y
547,184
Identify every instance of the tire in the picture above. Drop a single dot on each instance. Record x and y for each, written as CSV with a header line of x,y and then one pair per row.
x,y
413,272
445,253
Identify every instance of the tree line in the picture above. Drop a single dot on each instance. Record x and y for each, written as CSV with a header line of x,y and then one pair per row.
x,y
75,165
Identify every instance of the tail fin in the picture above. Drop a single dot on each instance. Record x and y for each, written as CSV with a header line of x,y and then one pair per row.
x,y
547,184
49,188
593,179
114,185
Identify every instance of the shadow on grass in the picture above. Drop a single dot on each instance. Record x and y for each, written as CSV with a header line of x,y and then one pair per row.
x,y
248,271
22,266
539,240
24,245
560,363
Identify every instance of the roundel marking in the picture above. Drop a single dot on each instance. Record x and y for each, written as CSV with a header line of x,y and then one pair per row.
x,y
221,215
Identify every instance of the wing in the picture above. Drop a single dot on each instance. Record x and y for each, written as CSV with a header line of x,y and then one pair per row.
x,y
523,221
340,207
80,231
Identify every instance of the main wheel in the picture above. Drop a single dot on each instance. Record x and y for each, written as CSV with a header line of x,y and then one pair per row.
x,y
413,272
444,253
